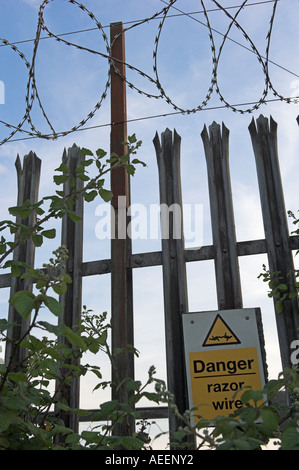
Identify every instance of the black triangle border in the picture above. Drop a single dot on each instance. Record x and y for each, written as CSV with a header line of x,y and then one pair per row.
x,y
219,344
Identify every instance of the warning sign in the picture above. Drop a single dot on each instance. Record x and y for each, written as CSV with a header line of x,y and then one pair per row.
x,y
220,333
223,355
218,375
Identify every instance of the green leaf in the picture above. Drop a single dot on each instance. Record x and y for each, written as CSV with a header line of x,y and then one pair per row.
x,y
55,329
41,283
290,439
60,288
67,278
131,443
63,167
4,325
102,339
52,352
85,151
23,301
130,169
282,287
270,419
64,406
59,179
20,211
39,211
93,345
73,216
87,162
72,438
17,376
90,196
132,138
109,406
151,396
15,271
79,169
75,339
136,161
248,414
90,436
255,395
101,153
83,177
246,444
5,420
53,305
133,385
37,239
49,233
15,402
106,194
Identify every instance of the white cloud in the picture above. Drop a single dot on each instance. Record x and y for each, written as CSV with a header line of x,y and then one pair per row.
x,y
3,169
33,3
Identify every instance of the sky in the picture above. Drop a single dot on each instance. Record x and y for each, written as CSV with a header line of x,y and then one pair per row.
x,y
70,82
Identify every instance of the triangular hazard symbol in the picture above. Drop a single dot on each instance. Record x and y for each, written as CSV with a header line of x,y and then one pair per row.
x,y
220,334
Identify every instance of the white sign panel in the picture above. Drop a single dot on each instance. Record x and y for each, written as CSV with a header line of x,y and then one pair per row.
x,y
223,354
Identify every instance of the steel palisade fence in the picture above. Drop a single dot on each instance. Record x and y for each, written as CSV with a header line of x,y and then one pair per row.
x,y
225,250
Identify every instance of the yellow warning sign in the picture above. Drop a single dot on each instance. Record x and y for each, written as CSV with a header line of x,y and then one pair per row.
x,y
220,334
217,375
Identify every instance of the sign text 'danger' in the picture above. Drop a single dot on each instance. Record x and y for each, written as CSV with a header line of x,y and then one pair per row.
x,y
218,375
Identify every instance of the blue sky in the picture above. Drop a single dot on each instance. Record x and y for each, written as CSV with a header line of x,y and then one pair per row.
x,y
70,82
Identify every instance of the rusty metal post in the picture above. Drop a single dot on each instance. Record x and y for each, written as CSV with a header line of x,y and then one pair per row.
x,y
121,274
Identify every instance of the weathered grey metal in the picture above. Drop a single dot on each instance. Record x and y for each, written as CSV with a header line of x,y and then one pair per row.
x,y
122,329
5,280
222,216
151,412
71,301
174,267
264,141
154,258
28,186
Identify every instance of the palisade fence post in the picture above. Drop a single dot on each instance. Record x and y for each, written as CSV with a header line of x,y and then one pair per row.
x,y
174,268
228,284
71,301
28,187
122,328
264,142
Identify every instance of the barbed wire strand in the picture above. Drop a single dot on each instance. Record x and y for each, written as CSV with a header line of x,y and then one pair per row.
x,y
145,118
32,92
175,15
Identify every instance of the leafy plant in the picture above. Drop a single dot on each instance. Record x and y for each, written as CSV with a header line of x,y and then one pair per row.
x,y
31,403
261,420
279,288
30,415
61,204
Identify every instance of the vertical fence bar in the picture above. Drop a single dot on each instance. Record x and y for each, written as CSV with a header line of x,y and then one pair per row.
x,y
28,187
121,275
222,215
174,267
264,142
71,301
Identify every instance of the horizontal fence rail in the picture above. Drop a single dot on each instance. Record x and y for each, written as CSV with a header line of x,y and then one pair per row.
x,y
154,258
